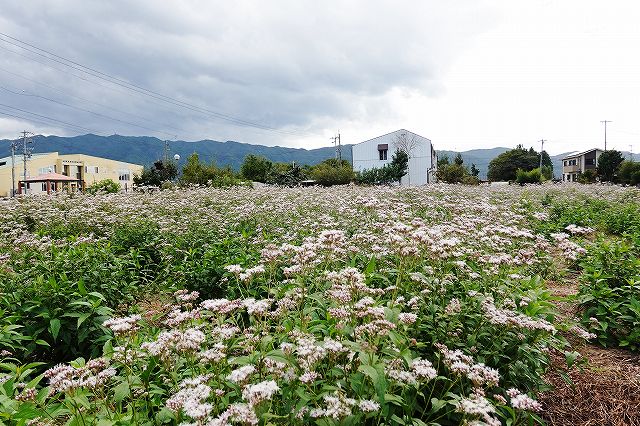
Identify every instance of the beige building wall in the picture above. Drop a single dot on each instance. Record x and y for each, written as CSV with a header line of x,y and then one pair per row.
x,y
87,168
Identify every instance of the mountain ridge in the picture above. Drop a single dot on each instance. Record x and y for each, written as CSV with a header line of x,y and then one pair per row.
x,y
147,149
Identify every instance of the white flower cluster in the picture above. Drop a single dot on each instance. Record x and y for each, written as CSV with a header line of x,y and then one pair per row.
x,y
123,325
241,375
462,364
64,378
190,398
477,406
175,341
579,230
522,401
570,249
263,391
513,318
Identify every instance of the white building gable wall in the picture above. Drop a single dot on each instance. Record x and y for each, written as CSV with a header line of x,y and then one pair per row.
x,y
421,164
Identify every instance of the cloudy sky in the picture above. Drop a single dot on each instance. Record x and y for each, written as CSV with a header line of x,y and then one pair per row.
x,y
466,74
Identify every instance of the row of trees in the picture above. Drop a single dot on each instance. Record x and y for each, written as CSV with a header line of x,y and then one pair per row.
x,y
457,172
612,167
194,172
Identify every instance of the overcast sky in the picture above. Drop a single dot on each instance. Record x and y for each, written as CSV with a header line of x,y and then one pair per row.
x,y
466,74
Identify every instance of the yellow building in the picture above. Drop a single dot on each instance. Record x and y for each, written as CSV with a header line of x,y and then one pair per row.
x,y
78,170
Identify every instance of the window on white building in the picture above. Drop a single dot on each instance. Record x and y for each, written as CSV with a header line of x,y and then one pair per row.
x,y
124,175
383,148
46,169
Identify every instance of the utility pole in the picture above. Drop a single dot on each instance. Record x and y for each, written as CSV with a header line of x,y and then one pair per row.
x,y
339,149
542,141
165,155
14,145
605,132
630,152
26,153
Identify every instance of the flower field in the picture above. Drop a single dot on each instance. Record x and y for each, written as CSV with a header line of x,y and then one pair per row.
x,y
352,305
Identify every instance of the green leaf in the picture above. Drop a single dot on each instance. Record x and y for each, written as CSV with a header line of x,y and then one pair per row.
x,y
81,288
54,328
121,391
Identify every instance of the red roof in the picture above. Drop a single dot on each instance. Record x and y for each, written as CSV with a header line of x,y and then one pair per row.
x,y
57,177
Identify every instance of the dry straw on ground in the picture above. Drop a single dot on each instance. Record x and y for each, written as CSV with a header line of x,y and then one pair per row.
x,y
604,391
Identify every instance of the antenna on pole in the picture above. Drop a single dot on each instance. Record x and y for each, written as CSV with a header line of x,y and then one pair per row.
x,y
605,132
336,142
542,141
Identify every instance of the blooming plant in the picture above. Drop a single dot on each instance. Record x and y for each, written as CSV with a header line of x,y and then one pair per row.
x,y
289,306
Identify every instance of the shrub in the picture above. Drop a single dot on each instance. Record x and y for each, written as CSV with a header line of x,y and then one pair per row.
x,y
533,176
331,172
609,294
107,186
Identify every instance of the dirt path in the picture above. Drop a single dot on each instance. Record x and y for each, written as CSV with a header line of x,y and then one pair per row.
x,y
604,391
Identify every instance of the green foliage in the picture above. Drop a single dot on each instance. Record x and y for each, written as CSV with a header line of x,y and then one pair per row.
x,y
196,173
286,174
532,176
609,294
443,160
256,168
387,174
458,159
504,167
332,172
629,172
474,170
608,164
157,174
452,173
106,186
589,176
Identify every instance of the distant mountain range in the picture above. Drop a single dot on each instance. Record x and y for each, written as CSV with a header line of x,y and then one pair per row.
x,y
145,150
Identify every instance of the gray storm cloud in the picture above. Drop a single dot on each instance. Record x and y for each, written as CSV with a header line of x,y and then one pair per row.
x,y
289,65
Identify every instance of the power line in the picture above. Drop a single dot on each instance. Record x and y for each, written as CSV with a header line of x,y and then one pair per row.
x,y
195,108
138,89
86,110
50,118
88,100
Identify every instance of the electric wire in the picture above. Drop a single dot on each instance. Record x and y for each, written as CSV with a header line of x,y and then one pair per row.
x,y
85,110
50,118
56,89
138,89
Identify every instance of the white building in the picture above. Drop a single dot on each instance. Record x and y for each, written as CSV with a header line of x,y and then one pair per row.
x,y
376,152
573,165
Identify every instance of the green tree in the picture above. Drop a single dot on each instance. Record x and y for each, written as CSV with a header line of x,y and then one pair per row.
x,y
629,172
452,173
458,159
608,164
194,172
389,173
505,165
443,160
155,175
256,168
332,172
474,170
399,165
